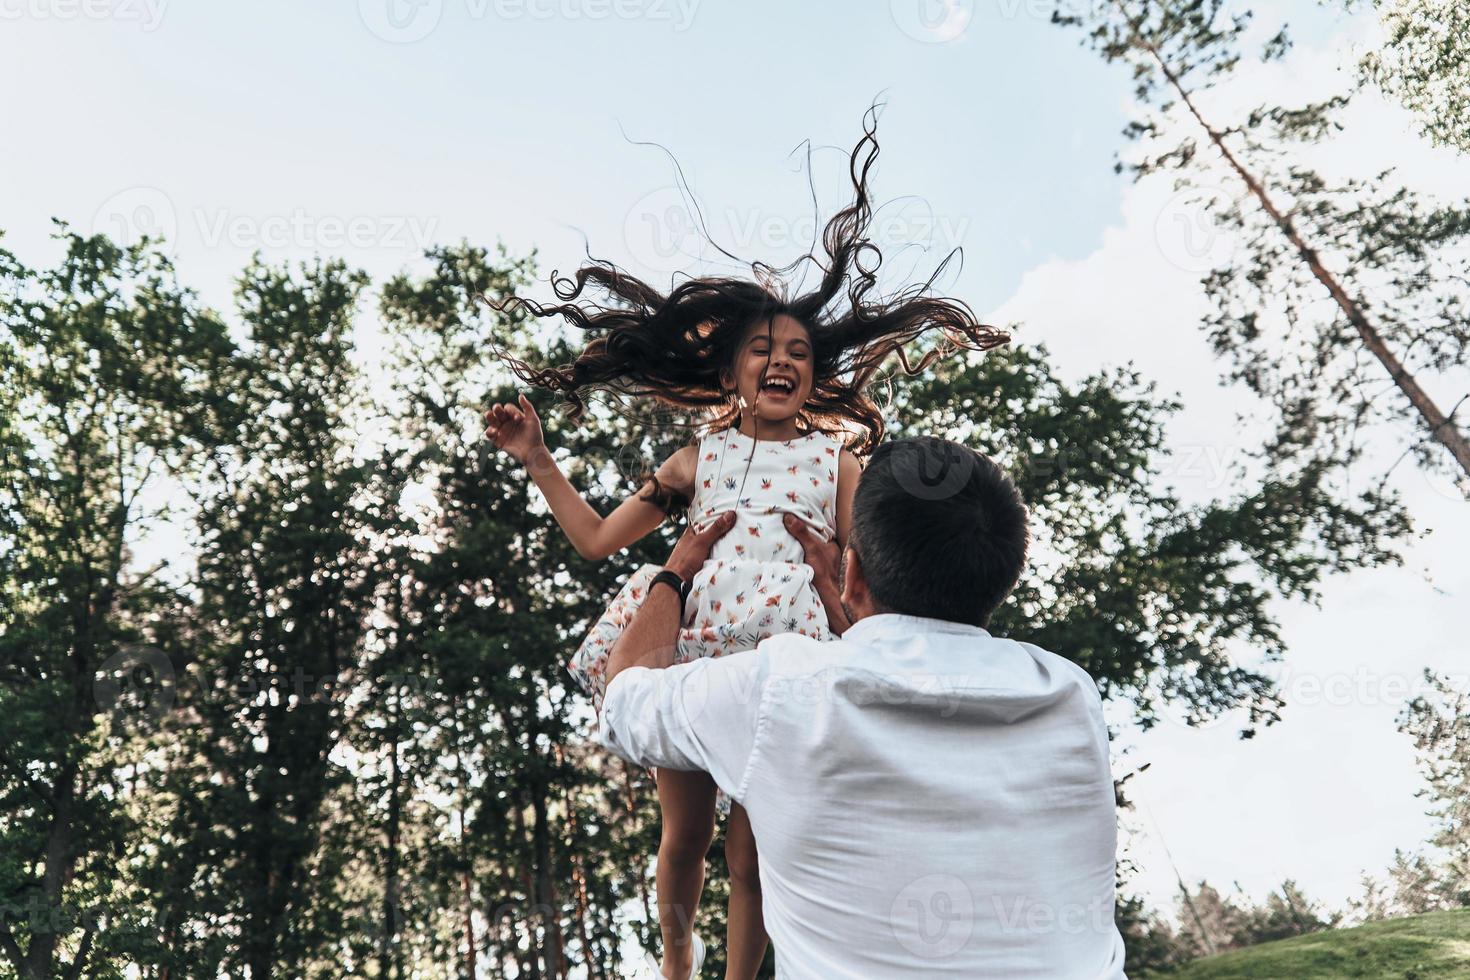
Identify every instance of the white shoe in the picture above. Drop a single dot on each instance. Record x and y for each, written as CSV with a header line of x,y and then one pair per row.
x,y
652,970
698,955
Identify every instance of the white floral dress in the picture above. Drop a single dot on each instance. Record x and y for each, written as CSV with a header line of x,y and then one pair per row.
x,y
755,583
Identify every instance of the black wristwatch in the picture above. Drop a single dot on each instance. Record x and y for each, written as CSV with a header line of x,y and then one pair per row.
x,y
673,578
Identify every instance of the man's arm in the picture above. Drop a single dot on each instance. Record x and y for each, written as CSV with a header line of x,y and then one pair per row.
x,y
695,716
648,641
702,715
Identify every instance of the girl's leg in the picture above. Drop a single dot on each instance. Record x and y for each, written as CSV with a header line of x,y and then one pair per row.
x,y
687,800
746,942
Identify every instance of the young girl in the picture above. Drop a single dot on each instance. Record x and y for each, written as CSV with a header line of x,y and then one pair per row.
x,y
783,384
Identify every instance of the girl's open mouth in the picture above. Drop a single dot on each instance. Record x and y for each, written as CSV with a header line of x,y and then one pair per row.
x,y
778,388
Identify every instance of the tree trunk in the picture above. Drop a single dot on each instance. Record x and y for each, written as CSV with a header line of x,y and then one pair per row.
x,y
544,902
392,903
40,954
1440,427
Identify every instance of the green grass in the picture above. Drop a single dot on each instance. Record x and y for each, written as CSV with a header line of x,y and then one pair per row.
x,y
1424,947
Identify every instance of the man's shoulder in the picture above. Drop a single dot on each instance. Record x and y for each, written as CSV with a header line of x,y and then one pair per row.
x,y
1061,667
1057,662
790,655
787,654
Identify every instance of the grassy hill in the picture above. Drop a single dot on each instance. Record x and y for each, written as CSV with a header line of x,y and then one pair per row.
x,y
1424,947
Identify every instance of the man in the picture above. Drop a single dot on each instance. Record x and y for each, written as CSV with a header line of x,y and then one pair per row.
x,y
928,800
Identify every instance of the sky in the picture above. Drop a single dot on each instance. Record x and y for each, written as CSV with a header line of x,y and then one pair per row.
x,y
371,129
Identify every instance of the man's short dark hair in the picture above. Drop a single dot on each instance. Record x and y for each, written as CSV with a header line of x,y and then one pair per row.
x,y
940,530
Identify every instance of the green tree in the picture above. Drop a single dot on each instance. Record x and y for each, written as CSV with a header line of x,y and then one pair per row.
x,y
1286,912
1424,64
1210,922
542,840
286,580
1438,721
1344,307
104,362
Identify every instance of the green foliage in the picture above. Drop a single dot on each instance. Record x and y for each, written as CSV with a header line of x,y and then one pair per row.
x,y
1439,723
105,362
1428,947
1340,290
1212,923
1423,63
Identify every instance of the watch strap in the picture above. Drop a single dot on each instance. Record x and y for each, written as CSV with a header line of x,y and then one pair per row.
x,y
674,579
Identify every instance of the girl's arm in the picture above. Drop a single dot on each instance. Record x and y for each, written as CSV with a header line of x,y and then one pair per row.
x,y
517,430
596,537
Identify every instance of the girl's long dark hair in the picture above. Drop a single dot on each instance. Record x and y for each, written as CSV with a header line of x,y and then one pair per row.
x,y
671,348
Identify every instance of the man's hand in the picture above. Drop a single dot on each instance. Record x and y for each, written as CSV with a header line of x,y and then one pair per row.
x,y
825,558
693,548
649,640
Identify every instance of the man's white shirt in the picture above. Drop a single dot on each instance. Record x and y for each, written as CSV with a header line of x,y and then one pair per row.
x,y
927,800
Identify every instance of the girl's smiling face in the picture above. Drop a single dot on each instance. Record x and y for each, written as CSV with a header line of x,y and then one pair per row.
x,y
773,368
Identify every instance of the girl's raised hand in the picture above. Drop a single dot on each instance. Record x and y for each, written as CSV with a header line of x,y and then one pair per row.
x,y
515,428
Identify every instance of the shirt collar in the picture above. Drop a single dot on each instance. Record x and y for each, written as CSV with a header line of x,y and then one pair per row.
x,y
895,624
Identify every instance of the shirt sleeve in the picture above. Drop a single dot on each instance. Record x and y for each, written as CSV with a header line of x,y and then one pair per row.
x,y
700,715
